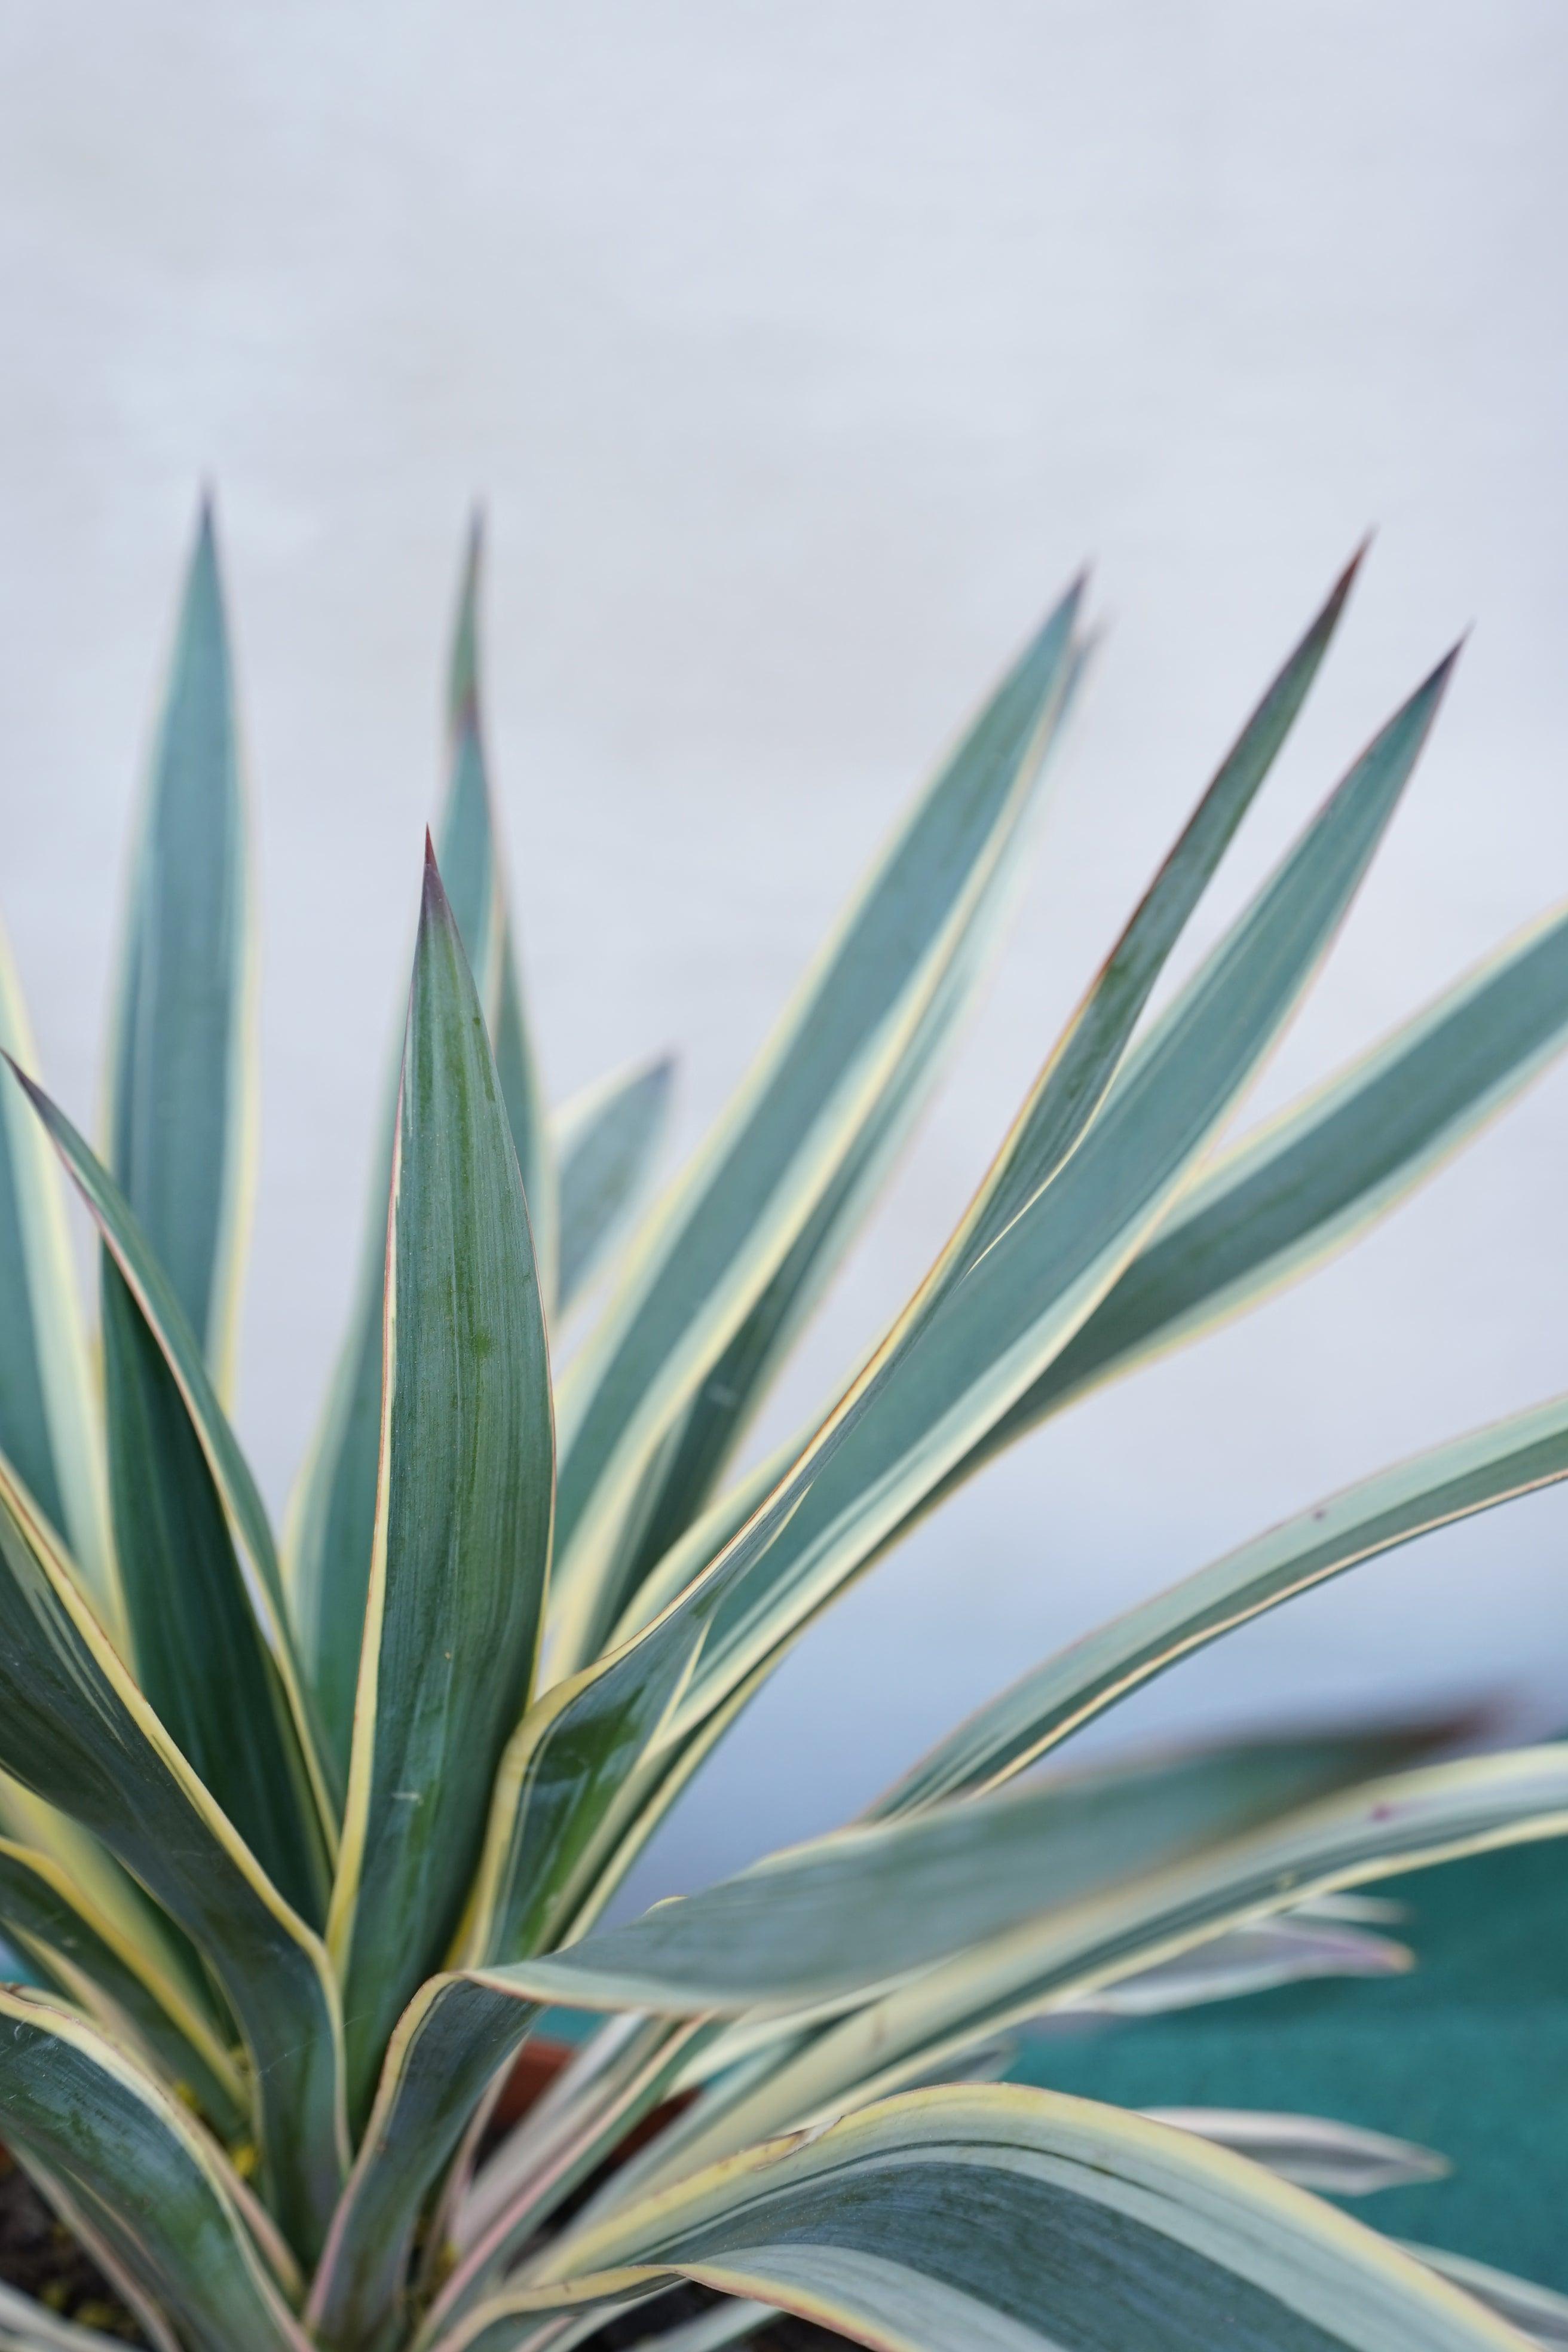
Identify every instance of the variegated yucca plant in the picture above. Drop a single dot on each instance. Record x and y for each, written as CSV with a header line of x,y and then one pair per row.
x,y
300,1841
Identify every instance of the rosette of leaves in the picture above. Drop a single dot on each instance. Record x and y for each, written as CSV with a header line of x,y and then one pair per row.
x,y
301,1839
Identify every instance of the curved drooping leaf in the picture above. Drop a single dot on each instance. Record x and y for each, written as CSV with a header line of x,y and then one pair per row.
x,y
1255,1958
151,2185
463,1512
334,1518
1314,1179
865,1908
186,1506
1540,2315
876,1903
1430,1815
735,1214
75,1728
48,1421
1007,2219
181,1071
1467,1474
976,1335
1333,2159
603,1140
90,1956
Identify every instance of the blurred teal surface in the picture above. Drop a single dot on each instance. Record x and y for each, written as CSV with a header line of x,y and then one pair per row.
x,y
1468,2055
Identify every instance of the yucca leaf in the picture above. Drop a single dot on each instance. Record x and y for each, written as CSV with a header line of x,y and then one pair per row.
x,y
48,1420
332,1521
88,1955
206,1629
1540,2315
147,2180
874,1903
701,1443
733,1217
978,1333
447,2048
838,1916
1454,1481
440,2059
1009,2218
463,1512
550,2156
1438,1813
75,1728
1313,1179
1055,1117
200,1656
603,1140
1249,1959
107,1891
1333,2159
181,1074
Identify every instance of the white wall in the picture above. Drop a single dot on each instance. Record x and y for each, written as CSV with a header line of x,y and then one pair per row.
x,y
801,351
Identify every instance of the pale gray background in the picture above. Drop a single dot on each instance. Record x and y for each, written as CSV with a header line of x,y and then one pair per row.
x,y
801,351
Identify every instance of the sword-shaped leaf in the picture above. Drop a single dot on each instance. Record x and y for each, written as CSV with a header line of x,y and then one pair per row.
x,y
588,1771
856,1909
1470,1473
605,1139
877,1901
90,1956
334,1518
48,1420
203,1593
1540,2315
725,1228
1249,1960
1333,2159
1007,2219
1315,1178
1056,1116
463,1512
75,1728
149,2182
181,1072
1434,1814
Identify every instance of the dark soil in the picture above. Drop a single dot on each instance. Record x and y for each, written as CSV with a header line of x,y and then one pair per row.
x,y
39,2255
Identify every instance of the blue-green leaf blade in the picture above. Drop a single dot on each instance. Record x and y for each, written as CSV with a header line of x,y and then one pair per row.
x,y
464,1505
1014,2220
154,2190
180,1074
332,1521
75,1730
200,1568
978,1333
1454,1481
49,1419
726,1225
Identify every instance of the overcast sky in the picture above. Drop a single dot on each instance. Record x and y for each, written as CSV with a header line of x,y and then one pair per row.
x,y
801,351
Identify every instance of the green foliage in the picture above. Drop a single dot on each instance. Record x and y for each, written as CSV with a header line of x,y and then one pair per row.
x,y
301,1842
